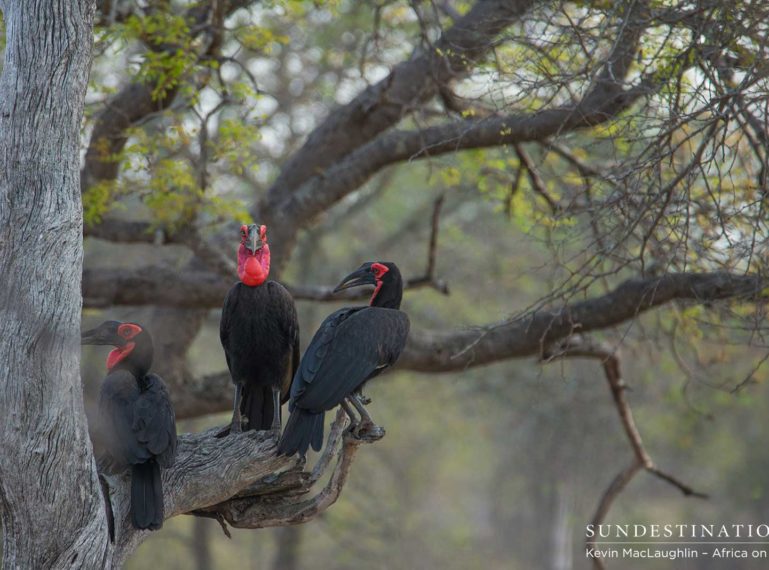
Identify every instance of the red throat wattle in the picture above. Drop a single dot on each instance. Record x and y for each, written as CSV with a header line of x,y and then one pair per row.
x,y
126,331
253,268
118,354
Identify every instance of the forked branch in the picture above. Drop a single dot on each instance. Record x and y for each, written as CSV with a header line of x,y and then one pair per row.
x,y
240,481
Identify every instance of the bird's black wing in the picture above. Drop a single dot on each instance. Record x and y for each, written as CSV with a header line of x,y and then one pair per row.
x,y
295,359
154,422
286,309
119,393
224,323
351,346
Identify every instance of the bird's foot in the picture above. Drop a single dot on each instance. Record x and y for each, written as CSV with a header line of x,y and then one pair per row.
x,y
236,427
368,431
365,400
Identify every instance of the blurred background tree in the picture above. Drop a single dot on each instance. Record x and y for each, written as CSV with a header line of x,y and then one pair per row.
x,y
524,157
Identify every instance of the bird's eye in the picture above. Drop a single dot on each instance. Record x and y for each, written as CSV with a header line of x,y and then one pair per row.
x,y
378,270
128,330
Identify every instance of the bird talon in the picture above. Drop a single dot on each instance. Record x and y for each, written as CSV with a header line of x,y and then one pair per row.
x,y
368,431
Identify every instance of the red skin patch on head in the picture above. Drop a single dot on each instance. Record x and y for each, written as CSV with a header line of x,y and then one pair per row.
x,y
253,268
119,354
128,330
379,271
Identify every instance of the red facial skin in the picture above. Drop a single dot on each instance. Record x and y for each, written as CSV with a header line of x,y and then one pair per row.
x,y
379,271
126,331
253,268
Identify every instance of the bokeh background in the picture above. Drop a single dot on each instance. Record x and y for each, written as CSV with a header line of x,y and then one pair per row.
x,y
499,466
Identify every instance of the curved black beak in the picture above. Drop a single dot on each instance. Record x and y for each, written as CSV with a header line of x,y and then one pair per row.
x,y
361,276
254,242
100,336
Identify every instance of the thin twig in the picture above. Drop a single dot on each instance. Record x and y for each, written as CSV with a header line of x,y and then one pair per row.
x,y
435,222
537,183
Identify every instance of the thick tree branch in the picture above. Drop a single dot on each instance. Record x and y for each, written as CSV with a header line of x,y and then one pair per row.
x,y
254,488
606,97
434,351
233,463
264,507
429,351
528,334
200,289
410,84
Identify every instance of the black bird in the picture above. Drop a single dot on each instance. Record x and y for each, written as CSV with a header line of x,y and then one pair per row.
x,y
259,331
351,346
137,427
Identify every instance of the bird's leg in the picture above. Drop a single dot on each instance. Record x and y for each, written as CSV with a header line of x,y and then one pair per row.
x,y
366,429
236,426
364,415
353,418
276,409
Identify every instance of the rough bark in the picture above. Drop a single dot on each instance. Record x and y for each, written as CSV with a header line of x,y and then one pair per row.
x,y
527,334
50,499
533,333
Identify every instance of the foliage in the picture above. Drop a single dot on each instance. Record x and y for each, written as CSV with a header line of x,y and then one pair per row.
x,y
674,181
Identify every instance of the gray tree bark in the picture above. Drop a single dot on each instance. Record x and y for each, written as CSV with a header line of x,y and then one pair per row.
x,y
52,510
51,501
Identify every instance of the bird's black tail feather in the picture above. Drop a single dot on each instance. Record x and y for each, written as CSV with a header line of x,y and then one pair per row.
x,y
146,496
304,429
108,508
257,406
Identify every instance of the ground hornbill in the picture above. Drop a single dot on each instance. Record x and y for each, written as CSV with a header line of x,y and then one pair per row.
x,y
136,425
350,347
259,331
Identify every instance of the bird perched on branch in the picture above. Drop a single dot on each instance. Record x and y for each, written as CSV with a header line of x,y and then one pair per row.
x,y
137,427
259,331
351,346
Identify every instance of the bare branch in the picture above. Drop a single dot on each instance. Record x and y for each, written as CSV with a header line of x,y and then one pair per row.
x,y
409,84
326,170
199,289
536,181
527,334
438,351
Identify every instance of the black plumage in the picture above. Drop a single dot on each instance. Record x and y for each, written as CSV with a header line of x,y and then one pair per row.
x,y
136,422
351,346
259,331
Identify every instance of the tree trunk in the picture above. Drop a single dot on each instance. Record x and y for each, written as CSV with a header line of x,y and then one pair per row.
x,y
50,499
289,540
